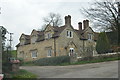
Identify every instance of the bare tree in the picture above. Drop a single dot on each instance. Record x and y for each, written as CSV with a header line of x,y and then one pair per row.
x,y
103,15
53,19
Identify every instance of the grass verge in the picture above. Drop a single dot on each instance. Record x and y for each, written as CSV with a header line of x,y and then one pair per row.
x,y
22,74
91,61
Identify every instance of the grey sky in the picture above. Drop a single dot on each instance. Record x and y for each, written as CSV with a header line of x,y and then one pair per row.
x,y
22,16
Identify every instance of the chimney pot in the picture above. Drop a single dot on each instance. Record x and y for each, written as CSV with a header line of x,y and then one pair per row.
x,y
86,23
68,20
80,26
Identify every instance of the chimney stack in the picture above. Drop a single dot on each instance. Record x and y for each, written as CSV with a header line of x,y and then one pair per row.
x,y
80,26
86,23
68,20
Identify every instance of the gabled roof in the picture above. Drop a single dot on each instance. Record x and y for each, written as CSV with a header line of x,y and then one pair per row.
x,y
37,32
25,36
17,45
84,30
58,30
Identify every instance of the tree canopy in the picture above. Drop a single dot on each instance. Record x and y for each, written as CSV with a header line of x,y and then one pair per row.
x,y
103,14
53,18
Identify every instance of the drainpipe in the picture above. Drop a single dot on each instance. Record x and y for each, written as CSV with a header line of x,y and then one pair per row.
x,y
83,46
54,47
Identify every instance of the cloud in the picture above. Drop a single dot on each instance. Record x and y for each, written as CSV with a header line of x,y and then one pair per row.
x,y
21,16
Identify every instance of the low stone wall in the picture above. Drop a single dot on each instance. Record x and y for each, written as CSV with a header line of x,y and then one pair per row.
x,y
107,54
14,67
99,56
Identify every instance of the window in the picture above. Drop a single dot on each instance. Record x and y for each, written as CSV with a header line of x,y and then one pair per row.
x,y
49,54
69,34
89,36
48,35
33,39
22,41
34,53
21,55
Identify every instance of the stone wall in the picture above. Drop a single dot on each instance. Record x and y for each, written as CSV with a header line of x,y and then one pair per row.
x,y
39,46
63,43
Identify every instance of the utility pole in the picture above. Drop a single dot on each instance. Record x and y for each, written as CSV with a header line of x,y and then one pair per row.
x,y
118,3
118,31
10,40
0,49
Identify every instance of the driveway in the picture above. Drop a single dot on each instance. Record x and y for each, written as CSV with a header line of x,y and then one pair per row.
x,y
93,70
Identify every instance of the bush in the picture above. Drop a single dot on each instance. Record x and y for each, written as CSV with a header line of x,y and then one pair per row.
x,y
52,61
102,45
21,60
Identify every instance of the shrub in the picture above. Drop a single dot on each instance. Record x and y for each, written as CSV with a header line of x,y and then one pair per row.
x,y
52,61
21,60
102,45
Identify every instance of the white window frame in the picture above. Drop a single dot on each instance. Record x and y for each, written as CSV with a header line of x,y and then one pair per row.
x,y
34,52
90,36
71,49
49,53
69,35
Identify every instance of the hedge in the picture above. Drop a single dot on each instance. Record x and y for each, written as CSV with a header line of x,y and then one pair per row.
x,y
52,61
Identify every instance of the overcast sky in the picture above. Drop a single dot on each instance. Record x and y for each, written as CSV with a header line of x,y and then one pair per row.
x,y
22,16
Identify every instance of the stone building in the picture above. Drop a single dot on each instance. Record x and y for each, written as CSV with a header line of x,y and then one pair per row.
x,y
58,41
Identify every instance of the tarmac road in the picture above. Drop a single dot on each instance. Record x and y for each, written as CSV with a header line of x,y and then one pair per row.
x,y
93,70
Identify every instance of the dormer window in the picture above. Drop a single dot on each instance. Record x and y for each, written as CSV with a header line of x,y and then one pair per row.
x,y
48,35
22,41
90,36
33,38
69,34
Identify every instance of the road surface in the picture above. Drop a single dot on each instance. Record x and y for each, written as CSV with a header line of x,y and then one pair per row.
x,y
93,70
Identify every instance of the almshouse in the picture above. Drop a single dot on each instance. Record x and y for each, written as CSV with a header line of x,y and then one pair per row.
x,y
58,41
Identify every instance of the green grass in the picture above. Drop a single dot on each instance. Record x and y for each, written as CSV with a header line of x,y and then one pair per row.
x,y
22,74
30,63
91,61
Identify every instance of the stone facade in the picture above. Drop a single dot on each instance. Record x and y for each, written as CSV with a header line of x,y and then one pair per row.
x,y
58,41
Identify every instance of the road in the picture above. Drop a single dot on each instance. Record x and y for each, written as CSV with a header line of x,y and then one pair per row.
x,y
93,70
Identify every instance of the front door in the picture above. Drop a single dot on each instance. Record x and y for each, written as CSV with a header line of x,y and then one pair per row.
x,y
71,52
